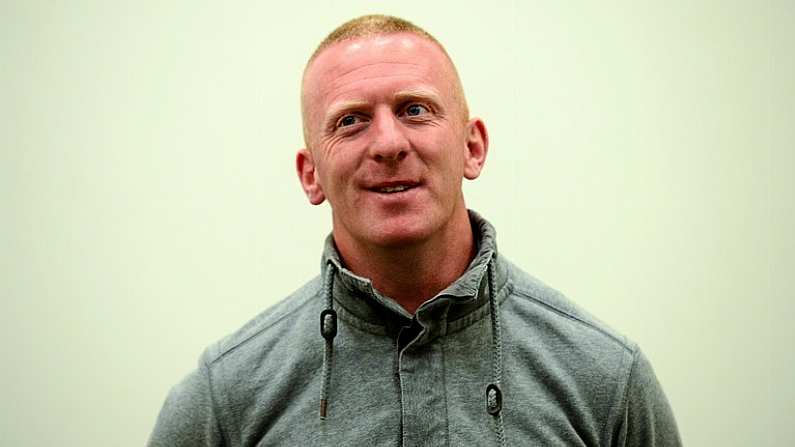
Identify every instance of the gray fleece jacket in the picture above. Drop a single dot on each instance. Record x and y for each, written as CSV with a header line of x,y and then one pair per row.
x,y
538,371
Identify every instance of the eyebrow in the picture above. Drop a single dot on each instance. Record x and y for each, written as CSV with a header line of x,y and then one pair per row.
x,y
338,108
423,95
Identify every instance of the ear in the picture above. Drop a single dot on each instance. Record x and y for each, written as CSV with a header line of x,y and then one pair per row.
x,y
307,175
477,145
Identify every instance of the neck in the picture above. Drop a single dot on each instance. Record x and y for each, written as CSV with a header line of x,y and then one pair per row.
x,y
412,274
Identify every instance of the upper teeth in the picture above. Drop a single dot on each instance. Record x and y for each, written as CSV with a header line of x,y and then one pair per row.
x,y
393,188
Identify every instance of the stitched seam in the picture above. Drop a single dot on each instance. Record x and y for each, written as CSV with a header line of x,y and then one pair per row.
x,y
565,314
443,344
355,320
361,326
213,406
483,311
625,397
263,329
399,386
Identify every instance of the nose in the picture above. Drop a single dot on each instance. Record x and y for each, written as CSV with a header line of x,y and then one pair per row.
x,y
389,143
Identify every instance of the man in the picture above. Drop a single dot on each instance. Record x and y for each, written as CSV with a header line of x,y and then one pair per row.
x,y
426,335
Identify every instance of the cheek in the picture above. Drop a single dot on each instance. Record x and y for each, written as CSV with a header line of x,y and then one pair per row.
x,y
335,171
450,154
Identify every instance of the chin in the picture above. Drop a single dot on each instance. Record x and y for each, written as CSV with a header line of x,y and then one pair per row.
x,y
393,230
401,232
397,239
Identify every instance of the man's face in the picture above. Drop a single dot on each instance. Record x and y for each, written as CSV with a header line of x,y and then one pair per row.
x,y
389,142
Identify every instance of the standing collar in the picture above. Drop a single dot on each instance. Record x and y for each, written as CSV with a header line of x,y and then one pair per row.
x,y
459,304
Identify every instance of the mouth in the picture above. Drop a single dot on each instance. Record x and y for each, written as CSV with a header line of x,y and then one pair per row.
x,y
393,187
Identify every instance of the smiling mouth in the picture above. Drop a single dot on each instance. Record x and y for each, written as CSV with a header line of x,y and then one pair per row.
x,y
393,188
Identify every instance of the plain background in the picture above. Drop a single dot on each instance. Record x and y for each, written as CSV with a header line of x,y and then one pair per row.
x,y
641,162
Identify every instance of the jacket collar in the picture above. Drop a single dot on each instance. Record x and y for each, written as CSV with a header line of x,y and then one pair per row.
x,y
460,304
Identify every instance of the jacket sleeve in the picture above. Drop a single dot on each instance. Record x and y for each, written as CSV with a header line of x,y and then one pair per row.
x,y
188,416
647,417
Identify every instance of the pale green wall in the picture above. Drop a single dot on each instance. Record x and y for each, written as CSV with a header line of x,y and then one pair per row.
x,y
641,162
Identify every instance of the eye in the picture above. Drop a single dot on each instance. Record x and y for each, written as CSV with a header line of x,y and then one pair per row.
x,y
348,120
416,110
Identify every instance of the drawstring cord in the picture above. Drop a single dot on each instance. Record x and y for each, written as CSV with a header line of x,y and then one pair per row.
x,y
328,329
493,392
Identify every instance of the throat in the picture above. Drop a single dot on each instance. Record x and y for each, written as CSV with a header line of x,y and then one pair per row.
x,y
414,273
412,276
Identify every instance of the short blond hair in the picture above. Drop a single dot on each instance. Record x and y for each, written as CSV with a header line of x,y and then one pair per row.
x,y
376,25
372,25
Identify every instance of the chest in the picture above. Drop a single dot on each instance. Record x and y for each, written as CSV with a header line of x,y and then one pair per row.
x,y
383,393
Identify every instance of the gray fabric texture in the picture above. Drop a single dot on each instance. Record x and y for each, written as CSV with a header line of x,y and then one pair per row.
x,y
397,379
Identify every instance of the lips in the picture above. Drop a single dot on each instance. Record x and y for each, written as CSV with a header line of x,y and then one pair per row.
x,y
392,187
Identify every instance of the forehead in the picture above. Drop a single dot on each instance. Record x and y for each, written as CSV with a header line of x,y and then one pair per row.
x,y
356,68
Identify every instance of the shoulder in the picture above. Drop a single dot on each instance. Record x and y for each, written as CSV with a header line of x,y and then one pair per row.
x,y
241,371
588,363
541,305
555,337
285,323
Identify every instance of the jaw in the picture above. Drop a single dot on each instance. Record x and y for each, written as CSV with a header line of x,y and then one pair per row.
x,y
398,221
